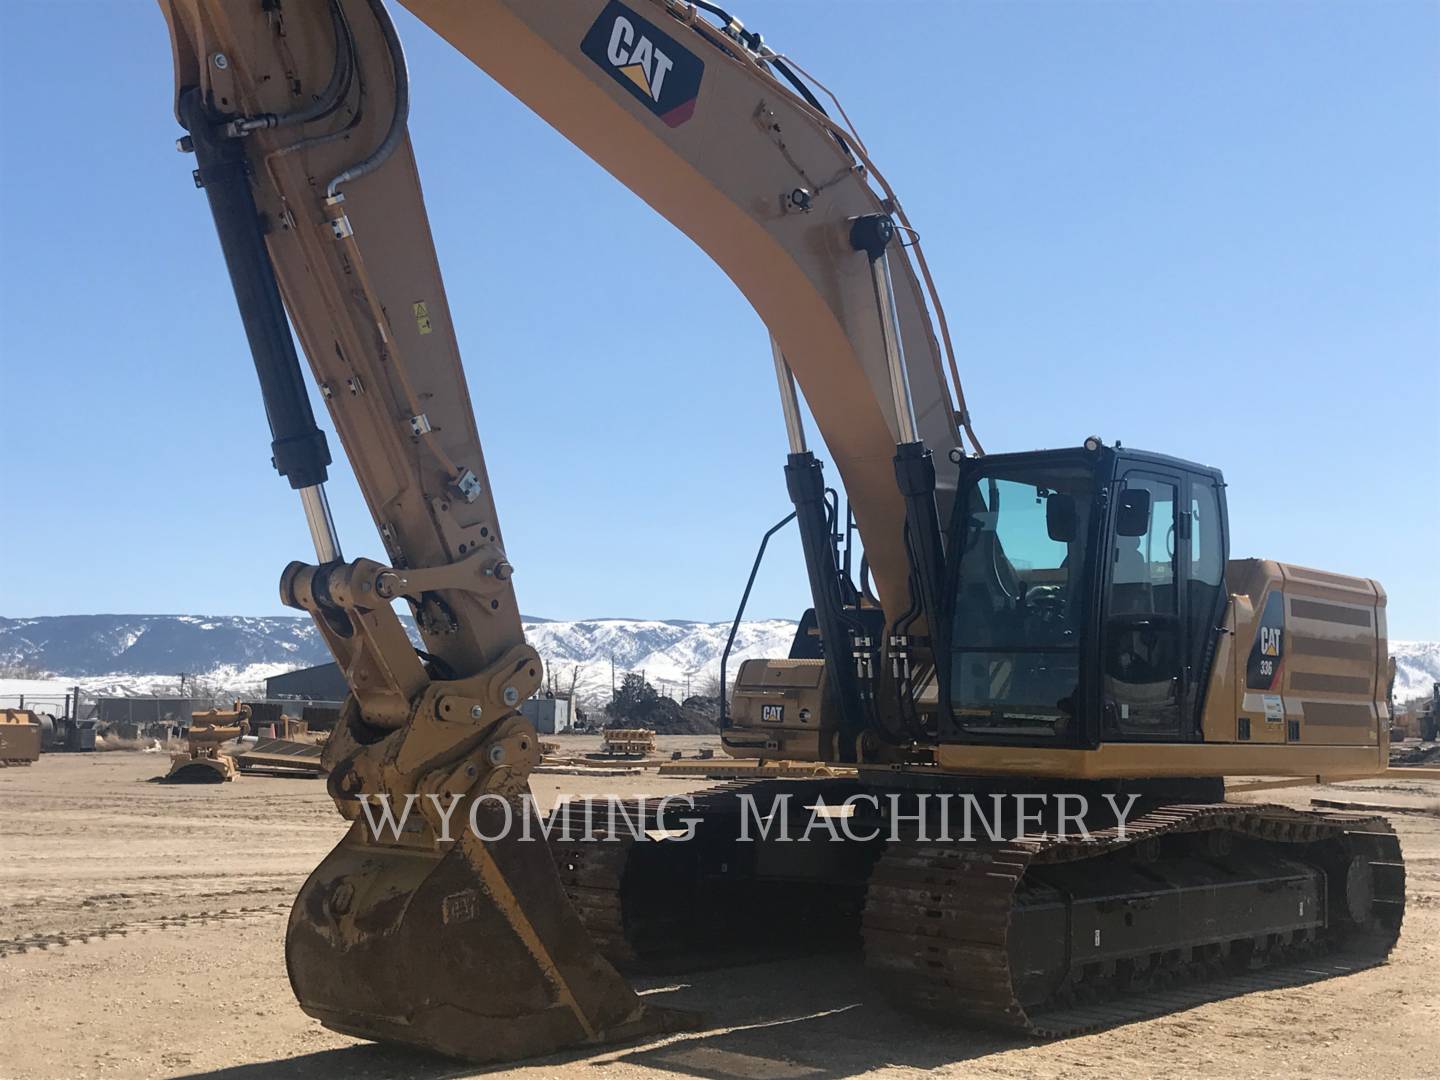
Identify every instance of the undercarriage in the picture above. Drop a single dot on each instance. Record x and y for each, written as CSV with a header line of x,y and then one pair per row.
x,y
1033,932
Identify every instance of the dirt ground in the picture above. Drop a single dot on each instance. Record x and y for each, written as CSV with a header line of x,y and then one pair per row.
x,y
141,933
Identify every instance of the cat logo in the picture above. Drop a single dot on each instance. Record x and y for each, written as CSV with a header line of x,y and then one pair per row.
x,y
1270,640
772,714
1267,654
647,62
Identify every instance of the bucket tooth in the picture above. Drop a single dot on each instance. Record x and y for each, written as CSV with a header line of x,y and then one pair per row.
x,y
469,949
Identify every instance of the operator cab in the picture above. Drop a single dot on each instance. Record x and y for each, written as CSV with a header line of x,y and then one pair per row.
x,y
1087,586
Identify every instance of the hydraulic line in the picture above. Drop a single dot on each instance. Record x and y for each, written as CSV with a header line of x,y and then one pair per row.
x,y
329,98
357,114
398,120
820,117
840,635
340,222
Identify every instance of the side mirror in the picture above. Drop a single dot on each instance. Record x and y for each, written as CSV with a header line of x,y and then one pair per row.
x,y
1132,512
1060,517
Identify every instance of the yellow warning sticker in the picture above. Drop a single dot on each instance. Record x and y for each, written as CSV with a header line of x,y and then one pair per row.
x,y
422,316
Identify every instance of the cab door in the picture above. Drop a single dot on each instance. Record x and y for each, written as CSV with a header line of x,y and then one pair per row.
x,y
1204,538
1144,656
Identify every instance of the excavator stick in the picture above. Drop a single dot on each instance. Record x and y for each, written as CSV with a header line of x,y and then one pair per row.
x,y
296,115
472,952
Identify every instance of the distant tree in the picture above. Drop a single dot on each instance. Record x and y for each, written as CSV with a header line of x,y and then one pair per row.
x,y
638,704
634,701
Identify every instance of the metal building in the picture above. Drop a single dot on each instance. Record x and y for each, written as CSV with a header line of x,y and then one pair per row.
x,y
321,683
549,715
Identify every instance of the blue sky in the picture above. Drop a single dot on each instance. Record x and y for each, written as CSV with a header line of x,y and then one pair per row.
x,y
1211,229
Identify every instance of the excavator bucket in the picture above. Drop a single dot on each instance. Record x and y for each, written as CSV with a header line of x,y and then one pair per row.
x,y
470,950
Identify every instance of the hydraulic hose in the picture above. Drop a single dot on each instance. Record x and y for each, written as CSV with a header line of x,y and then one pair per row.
x,y
398,120
330,97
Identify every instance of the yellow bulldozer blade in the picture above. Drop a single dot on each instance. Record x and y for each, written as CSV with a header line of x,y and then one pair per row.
x,y
468,949
185,769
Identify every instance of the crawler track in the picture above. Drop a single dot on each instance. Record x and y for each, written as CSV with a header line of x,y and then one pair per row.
x,y
1192,903
712,901
1045,936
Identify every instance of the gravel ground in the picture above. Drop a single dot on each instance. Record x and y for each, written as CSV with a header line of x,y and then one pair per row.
x,y
143,929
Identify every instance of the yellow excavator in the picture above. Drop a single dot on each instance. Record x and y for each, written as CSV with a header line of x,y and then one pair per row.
x,y
1064,622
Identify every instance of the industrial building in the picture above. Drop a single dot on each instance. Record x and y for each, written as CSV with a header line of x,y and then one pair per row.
x,y
550,715
320,683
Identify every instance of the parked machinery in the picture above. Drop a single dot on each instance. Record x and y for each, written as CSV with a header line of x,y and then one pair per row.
x,y
61,727
202,762
627,742
20,731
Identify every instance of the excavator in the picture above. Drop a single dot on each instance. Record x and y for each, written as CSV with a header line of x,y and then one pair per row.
x,y
1052,622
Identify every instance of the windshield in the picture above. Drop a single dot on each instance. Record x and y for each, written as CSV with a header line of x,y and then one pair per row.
x,y
1020,601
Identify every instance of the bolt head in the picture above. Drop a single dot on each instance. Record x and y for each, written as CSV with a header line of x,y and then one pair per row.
x,y
512,696
496,755
220,60
476,712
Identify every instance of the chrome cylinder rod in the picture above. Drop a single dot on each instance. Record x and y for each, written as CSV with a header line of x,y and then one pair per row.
x,y
789,400
894,349
322,525
872,235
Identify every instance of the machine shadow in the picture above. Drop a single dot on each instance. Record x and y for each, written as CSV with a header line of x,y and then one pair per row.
x,y
829,1045
812,1019
365,1061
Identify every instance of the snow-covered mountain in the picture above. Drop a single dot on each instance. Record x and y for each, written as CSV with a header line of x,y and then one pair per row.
x,y
1417,668
677,658
141,654
149,644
